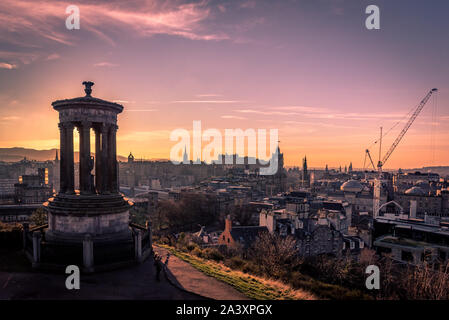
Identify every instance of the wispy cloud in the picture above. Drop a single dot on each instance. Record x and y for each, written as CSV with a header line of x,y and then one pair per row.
x,y
303,109
233,117
4,65
250,4
267,113
53,56
141,110
25,19
17,57
208,101
10,118
320,113
208,95
124,101
106,64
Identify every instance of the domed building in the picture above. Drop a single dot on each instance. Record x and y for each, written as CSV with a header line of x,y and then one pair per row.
x,y
352,186
415,191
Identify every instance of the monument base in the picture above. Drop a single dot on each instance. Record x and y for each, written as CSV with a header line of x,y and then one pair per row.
x,y
90,231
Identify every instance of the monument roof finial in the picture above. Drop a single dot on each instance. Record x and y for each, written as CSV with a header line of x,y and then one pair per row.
x,y
88,87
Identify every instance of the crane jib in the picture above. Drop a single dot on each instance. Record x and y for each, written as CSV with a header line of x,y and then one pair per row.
x,y
407,126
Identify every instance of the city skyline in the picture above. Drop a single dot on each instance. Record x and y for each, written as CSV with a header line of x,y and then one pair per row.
x,y
317,74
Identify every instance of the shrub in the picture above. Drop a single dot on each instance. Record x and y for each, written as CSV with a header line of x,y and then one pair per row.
x,y
213,254
235,263
197,252
251,267
39,217
191,246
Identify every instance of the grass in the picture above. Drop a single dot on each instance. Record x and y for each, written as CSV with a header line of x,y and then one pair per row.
x,y
251,286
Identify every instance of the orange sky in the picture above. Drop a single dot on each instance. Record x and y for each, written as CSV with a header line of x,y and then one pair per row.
x,y
312,71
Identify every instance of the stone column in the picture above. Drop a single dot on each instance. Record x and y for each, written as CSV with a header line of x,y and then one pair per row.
x,y
63,162
104,159
84,155
98,159
36,248
26,229
88,253
150,235
113,176
138,245
68,154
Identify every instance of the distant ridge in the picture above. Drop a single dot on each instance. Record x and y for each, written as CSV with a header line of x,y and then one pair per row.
x,y
17,153
441,170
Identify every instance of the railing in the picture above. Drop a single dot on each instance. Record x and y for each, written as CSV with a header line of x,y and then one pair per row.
x,y
38,228
40,251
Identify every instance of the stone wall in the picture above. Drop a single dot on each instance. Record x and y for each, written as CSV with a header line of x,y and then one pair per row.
x,y
95,224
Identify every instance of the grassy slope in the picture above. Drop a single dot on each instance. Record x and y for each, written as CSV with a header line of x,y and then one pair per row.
x,y
251,286
260,288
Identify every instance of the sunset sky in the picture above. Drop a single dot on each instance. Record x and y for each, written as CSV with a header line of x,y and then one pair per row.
x,y
308,68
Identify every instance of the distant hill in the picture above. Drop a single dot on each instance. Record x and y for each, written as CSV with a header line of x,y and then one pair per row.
x,y
17,154
441,170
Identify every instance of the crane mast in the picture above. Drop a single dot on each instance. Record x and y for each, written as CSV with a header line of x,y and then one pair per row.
x,y
378,182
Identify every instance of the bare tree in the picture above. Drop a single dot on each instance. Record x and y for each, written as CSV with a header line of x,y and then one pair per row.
x,y
275,254
426,282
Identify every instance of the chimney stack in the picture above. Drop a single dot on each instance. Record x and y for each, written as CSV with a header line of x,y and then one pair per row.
x,y
228,223
413,208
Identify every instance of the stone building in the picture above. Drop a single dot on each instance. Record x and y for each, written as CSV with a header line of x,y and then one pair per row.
x,y
411,240
318,227
239,236
425,203
33,189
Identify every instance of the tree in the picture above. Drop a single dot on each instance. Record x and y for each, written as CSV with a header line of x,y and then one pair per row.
x,y
39,217
275,254
138,215
242,214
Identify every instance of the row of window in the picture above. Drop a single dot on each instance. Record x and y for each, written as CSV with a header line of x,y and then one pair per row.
x,y
14,218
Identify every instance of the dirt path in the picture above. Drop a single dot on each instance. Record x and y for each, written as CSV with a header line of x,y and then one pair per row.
x,y
193,280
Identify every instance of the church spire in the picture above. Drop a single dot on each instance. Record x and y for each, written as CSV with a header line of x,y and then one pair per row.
x,y
185,157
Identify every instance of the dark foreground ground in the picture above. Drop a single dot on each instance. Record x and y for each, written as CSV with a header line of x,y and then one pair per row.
x,y
133,283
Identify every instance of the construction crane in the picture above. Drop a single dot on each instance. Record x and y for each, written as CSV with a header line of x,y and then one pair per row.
x,y
382,161
367,154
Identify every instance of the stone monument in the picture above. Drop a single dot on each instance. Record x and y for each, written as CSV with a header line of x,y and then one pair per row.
x,y
90,225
